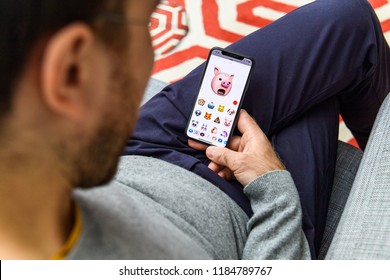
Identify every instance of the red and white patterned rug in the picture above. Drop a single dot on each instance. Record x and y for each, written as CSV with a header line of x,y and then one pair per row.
x,y
183,31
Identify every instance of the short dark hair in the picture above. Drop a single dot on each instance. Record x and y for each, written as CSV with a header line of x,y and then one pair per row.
x,y
24,22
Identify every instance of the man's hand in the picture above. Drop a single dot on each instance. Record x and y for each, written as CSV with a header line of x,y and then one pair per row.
x,y
248,156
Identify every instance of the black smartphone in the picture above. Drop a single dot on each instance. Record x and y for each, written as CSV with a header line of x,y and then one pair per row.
x,y
220,95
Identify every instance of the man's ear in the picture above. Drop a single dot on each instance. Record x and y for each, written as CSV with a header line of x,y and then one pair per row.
x,y
65,70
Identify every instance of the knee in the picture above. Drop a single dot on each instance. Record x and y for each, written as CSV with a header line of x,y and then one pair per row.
x,y
350,14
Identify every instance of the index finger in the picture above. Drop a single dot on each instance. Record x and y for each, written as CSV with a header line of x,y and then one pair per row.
x,y
247,124
197,145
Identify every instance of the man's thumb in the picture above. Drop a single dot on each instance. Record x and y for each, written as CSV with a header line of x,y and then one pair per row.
x,y
219,155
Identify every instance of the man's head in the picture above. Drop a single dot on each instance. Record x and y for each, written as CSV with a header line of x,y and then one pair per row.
x,y
72,76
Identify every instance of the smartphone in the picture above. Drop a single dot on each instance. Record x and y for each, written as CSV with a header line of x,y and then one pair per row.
x,y
220,95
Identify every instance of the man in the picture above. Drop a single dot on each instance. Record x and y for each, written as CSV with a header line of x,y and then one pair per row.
x,y
73,76
61,79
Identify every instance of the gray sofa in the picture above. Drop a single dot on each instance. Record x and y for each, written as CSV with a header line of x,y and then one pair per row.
x,y
358,225
363,231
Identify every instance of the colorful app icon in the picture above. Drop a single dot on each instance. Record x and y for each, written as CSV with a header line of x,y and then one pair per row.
x,y
231,111
211,105
198,113
202,134
220,140
214,130
228,122
224,134
207,116
221,108
194,123
214,138
217,120
201,102
190,130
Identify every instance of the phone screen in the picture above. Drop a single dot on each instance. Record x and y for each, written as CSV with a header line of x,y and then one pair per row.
x,y
221,92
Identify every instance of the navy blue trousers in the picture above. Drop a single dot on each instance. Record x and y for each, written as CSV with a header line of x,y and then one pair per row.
x,y
322,59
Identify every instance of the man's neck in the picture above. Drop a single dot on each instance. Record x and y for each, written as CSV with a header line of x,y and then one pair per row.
x,y
36,209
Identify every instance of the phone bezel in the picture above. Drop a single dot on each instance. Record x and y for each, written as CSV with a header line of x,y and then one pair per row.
x,y
232,129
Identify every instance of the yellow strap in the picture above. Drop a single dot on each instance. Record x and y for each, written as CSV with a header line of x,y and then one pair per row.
x,y
74,236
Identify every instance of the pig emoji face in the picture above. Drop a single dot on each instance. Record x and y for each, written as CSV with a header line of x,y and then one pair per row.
x,y
228,122
222,82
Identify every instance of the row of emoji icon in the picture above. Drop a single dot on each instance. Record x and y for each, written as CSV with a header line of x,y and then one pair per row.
x,y
208,116
204,127
221,108
214,138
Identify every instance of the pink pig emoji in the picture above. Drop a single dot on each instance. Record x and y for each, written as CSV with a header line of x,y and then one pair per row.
x,y
222,82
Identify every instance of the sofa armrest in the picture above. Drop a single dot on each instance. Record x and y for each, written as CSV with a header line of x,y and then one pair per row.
x,y
347,164
364,228
154,86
